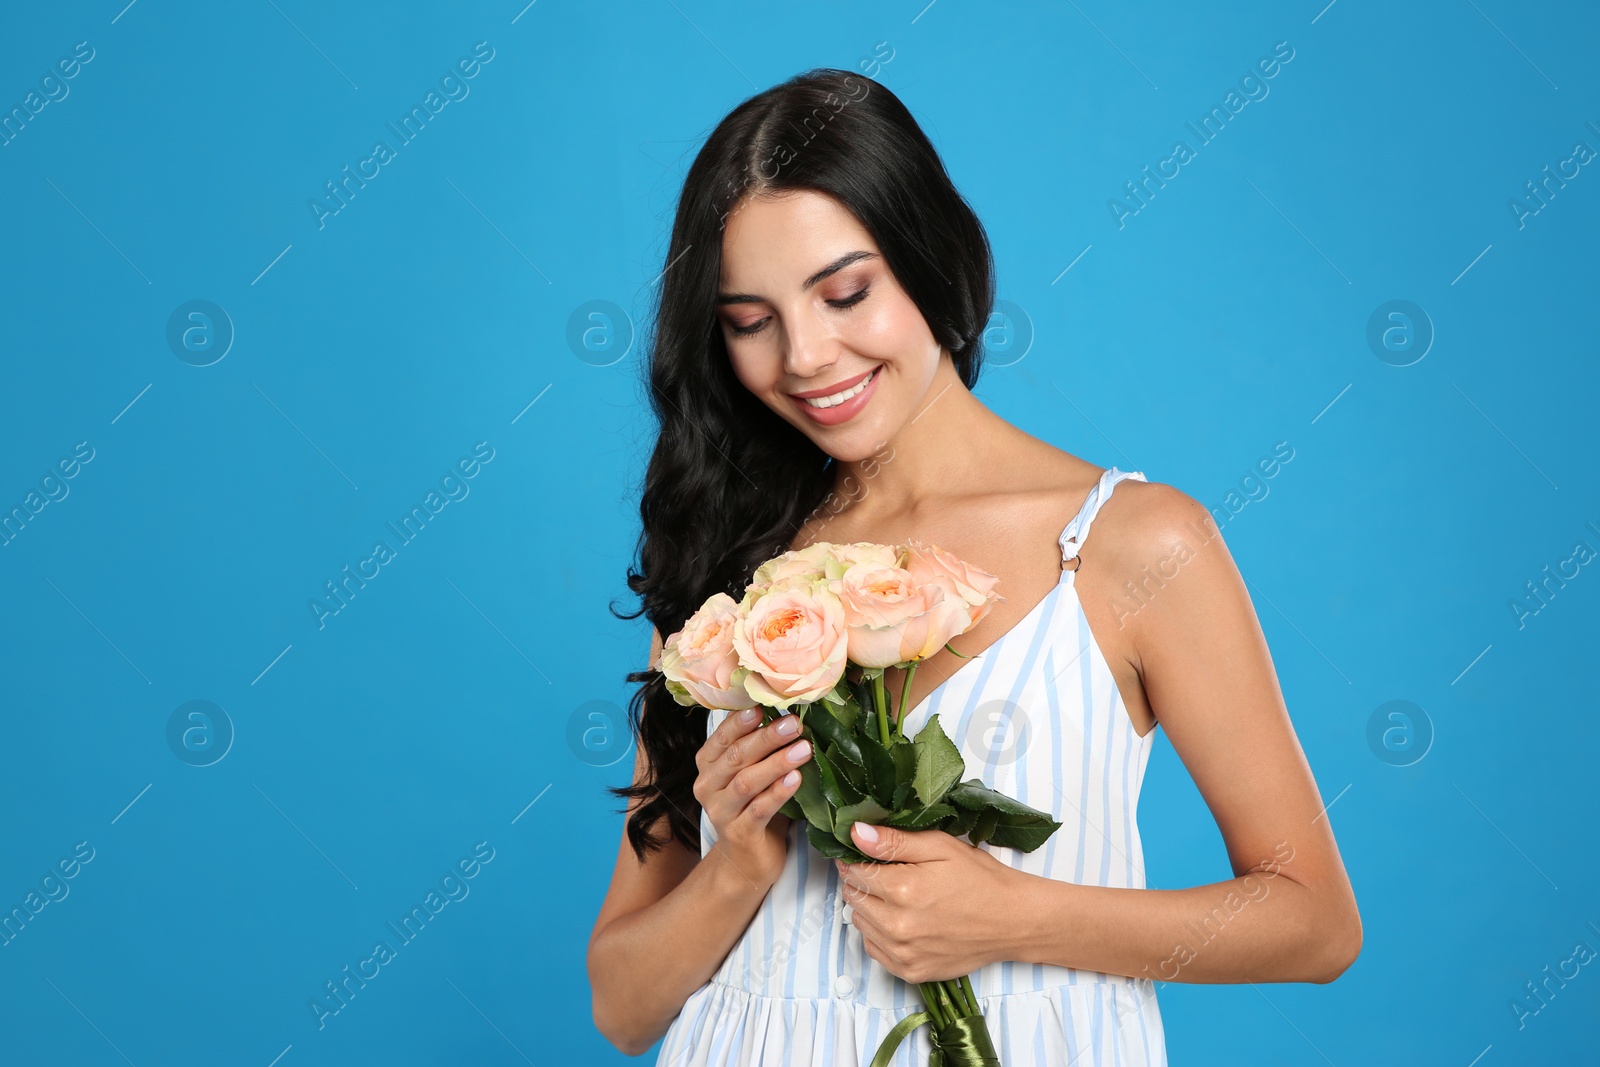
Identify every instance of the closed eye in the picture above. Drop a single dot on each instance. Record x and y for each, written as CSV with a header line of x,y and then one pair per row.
x,y
843,304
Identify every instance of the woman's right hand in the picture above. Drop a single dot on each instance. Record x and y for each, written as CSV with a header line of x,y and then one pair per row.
x,y
741,786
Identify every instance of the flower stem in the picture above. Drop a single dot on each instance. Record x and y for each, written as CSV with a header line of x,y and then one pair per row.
x,y
946,1002
958,999
972,998
880,700
930,1000
905,699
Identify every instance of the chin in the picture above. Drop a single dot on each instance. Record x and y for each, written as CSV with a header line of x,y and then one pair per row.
x,y
853,441
854,445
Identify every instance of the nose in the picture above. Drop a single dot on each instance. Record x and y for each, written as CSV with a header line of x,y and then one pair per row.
x,y
809,347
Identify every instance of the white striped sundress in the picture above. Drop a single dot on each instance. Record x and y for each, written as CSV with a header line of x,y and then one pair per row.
x,y
1036,716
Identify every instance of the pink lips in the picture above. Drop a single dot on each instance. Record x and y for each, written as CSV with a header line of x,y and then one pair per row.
x,y
839,413
837,388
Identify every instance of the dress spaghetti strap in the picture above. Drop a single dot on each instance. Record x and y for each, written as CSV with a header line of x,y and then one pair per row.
x,y
1077,530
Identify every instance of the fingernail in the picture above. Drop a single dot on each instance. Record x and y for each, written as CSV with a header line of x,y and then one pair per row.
x,y
788,724
799,751
748,715
868,832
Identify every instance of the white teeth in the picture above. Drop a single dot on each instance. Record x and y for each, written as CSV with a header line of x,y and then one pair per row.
x,y
839,398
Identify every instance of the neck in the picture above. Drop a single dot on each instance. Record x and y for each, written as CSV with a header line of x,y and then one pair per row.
x,y
943,447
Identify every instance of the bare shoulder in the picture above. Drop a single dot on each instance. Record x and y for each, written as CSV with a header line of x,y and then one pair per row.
x,y
1040,468
1140,521
1163,566
1146,521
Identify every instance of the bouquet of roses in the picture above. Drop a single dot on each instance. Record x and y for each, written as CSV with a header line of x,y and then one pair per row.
x,y
814,634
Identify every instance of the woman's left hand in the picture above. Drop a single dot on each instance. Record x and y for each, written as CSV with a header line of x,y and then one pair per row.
x,y
937,910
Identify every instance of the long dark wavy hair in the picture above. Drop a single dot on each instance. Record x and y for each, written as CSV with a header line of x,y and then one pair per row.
x,y
730,483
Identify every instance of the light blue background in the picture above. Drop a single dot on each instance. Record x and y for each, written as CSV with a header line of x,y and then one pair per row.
x,y
434,711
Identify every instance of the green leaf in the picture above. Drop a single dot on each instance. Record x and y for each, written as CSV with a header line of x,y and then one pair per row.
x,y
863,692
970,794
880,769
975,795
919,818
848,771
836,788
868,810
1023,836
961,823
904,754
792,809
824,843
849,792
842,740
988,819
812,797
848,713
939,762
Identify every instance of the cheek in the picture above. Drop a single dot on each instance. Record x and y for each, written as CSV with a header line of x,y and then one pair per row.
x,y
886,325
749,370
893,328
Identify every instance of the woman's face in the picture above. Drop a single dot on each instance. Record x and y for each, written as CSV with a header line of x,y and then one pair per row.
x,y
808,306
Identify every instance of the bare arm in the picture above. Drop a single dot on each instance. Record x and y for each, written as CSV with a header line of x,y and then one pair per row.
x,y
664,929
1290,914
667,924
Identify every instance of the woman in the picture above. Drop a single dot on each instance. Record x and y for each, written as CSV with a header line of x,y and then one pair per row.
x,y
820,328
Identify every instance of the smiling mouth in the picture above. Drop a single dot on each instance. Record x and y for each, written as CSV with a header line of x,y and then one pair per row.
x,y
835,399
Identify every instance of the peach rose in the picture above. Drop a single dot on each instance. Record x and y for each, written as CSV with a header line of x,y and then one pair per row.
x,y
796,563
847,556
791,640
930,564
699,660
891,619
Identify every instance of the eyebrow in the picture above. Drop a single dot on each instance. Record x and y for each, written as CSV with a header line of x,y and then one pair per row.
x,y
831,269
